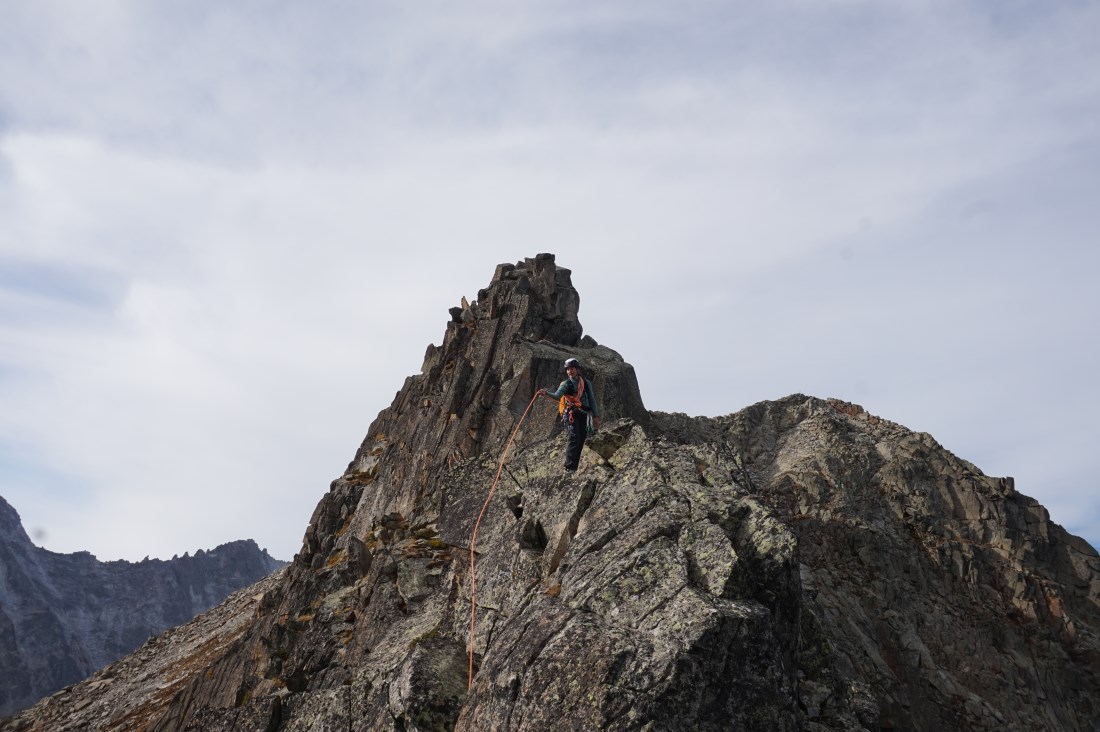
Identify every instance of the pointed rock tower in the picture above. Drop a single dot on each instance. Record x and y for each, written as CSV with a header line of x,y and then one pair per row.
x,y
798,565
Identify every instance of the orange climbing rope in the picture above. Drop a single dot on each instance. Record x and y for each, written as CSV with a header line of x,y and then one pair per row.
x,y
473,539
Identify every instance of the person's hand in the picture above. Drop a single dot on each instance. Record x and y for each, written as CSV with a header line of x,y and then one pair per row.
x,y
540,392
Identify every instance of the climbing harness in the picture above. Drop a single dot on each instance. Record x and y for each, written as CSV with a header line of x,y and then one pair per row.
x,y
473,540
572,401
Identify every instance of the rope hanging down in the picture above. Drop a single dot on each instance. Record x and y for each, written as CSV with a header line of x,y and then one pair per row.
x,y
473,540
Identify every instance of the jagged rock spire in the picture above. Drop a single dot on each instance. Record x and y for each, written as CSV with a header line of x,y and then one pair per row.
x,y
471,390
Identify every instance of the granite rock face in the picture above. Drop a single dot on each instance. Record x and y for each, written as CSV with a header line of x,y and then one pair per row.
x,y
62,616
798,565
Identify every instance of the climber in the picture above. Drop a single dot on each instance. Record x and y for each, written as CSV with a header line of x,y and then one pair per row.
x,y
578,410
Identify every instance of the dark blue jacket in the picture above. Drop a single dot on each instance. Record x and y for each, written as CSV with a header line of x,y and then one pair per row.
x,y
588,398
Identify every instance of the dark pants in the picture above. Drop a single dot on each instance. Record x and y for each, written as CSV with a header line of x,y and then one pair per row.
x,y
576,427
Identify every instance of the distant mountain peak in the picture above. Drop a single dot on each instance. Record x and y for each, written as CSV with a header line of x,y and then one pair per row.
x,y
62,616
10,523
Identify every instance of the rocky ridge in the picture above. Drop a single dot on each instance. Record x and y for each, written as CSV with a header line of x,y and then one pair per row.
x,y
62,616
798,565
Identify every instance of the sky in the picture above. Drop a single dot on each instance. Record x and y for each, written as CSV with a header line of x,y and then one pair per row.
x,y
229,231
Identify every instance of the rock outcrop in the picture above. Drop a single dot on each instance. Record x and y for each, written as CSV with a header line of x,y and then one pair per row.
x,y
798,565
62,616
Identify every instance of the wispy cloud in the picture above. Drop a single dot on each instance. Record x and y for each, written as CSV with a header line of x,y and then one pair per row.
x,y
230,231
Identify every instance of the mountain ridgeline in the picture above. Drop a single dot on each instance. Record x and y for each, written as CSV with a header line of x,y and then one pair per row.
x,y
798,565
63,616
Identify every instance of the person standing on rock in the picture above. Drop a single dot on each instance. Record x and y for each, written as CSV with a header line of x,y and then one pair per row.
x,y
576,401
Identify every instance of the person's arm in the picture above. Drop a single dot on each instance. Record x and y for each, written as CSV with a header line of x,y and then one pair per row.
x,y
595,405
562,390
